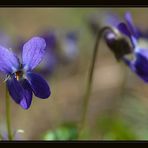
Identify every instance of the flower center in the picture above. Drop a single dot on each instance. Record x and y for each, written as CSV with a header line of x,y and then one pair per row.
x,y
18,74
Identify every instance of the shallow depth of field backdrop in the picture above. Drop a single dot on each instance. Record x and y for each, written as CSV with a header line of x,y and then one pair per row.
x,y
118,107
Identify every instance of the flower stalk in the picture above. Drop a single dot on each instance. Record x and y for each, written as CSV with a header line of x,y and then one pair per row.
x,y
8,118
88,90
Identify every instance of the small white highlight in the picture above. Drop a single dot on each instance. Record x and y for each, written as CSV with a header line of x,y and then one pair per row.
x,y
20,131
111,36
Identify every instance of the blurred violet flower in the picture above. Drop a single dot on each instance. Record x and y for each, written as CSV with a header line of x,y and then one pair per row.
x,y
21,81
139,63
70,46
50,61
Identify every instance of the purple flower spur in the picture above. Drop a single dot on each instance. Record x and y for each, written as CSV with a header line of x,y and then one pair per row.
x,y
21,81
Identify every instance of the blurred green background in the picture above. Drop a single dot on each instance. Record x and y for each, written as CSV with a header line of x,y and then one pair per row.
x,y
118,105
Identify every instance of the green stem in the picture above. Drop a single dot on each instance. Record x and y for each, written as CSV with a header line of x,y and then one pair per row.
x,y
1,137
8,119
89,82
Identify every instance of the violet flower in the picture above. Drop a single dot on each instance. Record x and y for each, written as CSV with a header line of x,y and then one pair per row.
x,y
139,63
21,81
124,38
69,47
136,45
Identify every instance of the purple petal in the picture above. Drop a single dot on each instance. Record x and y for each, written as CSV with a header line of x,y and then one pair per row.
x,y
20,91
8,61
27,93
33,52
39,85
142,54
140,66
142,61
123,28
15,89
130,23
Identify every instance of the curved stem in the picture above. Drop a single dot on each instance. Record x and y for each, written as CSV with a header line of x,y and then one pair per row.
x,y
89,82
8,119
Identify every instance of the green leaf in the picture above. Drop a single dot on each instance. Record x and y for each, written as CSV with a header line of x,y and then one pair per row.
x,y
64,132
114,128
